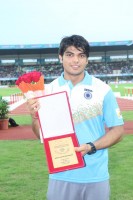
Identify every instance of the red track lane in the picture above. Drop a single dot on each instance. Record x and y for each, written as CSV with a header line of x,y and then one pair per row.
x,y
125,104
26,133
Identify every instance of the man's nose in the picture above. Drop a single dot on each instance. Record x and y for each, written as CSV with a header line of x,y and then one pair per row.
x,y
76,59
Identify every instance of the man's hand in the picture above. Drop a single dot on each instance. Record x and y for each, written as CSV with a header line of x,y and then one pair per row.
x,y
33,106
84,149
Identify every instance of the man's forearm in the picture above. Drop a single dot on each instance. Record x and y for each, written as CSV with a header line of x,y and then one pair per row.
x,y
112,137
35,127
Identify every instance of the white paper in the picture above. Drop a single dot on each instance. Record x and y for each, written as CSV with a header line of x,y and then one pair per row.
x,y
54,114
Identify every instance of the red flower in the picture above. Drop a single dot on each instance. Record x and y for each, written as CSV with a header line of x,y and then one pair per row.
x,y
31,81
19,81
35,76
27,78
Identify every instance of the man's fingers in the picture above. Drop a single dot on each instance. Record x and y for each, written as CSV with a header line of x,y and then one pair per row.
x,y
33,106
83,149
78,149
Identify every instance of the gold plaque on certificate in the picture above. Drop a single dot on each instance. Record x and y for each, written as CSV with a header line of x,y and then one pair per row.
x,y
62,152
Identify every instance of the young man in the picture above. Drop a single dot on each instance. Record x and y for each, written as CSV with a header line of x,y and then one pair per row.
x,y
93,106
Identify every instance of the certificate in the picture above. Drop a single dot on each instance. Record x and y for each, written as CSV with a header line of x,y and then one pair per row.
x,y
59,137
62,152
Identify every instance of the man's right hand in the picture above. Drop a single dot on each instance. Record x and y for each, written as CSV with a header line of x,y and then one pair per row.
x,y
33,106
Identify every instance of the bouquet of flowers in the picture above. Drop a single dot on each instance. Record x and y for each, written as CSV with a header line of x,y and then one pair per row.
x,y
31,84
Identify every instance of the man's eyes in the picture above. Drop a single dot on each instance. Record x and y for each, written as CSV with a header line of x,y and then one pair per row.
x,y
81,55
69,54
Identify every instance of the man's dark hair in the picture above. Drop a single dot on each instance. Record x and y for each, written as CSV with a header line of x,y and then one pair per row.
x,y
77,41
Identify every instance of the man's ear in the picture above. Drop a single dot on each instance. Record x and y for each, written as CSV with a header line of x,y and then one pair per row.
x,y
87,61
60,58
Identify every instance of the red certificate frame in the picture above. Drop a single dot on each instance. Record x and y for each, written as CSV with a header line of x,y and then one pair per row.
x,y
59,137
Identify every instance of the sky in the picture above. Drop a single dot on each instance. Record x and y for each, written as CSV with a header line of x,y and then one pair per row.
x,y
48,21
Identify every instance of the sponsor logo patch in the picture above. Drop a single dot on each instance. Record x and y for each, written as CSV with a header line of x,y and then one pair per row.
x,y
118,112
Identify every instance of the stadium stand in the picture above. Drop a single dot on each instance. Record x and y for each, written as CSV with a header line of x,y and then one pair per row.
x,y
107,61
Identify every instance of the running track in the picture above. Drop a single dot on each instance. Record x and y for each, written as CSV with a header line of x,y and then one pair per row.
x,y
25,132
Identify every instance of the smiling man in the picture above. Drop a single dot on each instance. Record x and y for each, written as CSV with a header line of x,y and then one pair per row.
x,y
74,62
93,106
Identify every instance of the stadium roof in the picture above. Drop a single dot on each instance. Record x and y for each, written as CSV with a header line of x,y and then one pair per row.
x,y
45,46
53,48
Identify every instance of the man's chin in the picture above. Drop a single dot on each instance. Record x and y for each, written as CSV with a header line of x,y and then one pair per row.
x,y
76,73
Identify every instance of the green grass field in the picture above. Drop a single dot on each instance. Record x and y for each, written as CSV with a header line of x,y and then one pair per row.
x,y
24,174
13,90
120,88
9,91
26,120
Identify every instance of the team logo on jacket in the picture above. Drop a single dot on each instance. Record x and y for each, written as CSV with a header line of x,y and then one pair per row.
x,y
88,94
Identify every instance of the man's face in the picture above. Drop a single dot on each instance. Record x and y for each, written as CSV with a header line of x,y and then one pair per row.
x,y
74,61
